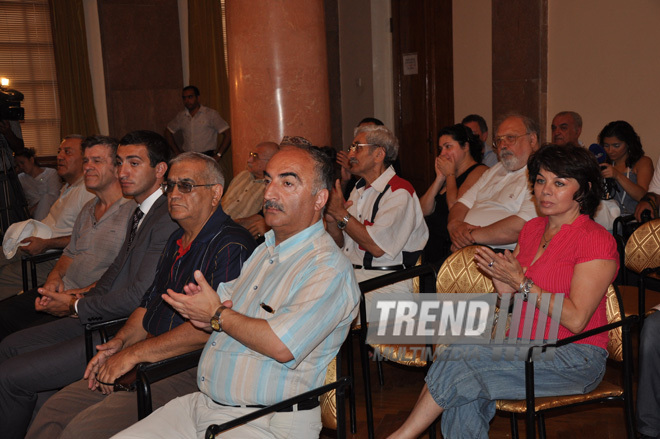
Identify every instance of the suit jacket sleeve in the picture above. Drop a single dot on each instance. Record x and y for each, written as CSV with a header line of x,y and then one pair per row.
x,y
122,286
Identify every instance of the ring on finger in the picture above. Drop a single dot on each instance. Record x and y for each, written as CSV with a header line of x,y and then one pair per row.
x,y
490,264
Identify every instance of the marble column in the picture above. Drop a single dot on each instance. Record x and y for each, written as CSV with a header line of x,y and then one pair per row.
x,y
278,76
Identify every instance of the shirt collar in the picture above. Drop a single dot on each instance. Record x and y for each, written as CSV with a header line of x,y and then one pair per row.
x,y
296,242
381,182
145,206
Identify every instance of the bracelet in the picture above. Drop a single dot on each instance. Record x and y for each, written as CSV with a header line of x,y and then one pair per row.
x,y
525,287
72,306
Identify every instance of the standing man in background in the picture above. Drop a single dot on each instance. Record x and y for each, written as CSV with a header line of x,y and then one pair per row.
x,y
200,127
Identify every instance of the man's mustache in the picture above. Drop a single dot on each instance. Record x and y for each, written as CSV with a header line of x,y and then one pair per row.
x,y
270,204
352,160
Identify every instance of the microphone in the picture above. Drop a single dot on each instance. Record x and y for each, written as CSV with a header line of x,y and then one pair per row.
x,y
599,152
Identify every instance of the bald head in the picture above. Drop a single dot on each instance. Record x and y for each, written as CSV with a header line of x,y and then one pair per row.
x,y
258,158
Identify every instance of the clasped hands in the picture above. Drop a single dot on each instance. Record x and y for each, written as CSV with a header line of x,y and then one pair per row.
x,y
503,268
54,302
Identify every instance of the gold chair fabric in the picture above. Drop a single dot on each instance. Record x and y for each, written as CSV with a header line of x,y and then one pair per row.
x,y
328,400
643,247
460,274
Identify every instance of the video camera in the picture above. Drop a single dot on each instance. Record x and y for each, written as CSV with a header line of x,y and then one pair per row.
x,y
10,104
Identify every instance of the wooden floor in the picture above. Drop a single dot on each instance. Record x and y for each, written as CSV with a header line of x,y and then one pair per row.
x,y
394,401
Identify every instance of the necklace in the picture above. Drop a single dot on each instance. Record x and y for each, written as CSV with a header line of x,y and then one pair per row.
x,y
545,241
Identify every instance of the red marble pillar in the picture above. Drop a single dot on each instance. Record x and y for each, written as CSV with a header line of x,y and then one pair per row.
x,y
278,76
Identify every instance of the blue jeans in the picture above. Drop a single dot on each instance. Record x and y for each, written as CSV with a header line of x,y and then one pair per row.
x,y
648,391
467,389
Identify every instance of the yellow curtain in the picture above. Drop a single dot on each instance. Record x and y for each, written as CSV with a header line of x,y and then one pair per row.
x,y
207,60
72,63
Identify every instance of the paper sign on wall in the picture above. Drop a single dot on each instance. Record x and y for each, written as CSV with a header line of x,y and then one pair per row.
x,y
410,64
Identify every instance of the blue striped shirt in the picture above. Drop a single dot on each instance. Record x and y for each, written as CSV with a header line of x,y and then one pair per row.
x,y
312,291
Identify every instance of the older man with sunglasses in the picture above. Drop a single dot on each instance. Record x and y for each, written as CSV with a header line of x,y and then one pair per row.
x,y
495,208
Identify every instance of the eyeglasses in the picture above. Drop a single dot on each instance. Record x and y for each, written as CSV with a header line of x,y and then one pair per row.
x,y
357,146
183,186
255,155
508,139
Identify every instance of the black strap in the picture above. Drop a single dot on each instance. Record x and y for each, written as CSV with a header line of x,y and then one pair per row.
x,y
368,257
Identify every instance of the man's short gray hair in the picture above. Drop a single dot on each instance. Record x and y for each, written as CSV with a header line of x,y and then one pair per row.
x,y
212,173
531,127
576,117
381,136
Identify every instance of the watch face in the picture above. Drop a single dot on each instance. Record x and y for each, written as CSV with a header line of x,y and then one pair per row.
x,y
215,324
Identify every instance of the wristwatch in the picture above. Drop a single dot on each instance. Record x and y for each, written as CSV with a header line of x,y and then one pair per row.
x,y
525,287
341,224
72,306
216,321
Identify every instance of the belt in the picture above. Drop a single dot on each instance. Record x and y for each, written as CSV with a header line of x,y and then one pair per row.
x,y
383,268
305,405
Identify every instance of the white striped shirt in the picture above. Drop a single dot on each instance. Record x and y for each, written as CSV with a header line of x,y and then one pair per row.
x,y
312,290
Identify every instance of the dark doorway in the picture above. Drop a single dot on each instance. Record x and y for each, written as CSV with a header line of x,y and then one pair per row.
x,y
423,83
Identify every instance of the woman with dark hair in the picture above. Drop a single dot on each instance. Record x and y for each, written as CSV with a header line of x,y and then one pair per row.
x,y
626,164
457,167
562,253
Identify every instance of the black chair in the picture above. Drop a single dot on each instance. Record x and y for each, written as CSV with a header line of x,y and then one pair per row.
x,y
619,349
33,261
366,286
144,374
149,373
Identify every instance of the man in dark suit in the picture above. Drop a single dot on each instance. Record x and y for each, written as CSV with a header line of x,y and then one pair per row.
x,y
52,355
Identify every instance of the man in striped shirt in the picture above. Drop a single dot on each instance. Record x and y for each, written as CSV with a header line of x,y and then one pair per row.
x,y
278,325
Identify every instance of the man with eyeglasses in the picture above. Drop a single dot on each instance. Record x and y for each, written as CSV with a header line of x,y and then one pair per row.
x,y
208,241
381,227
495,208
52,355
244,197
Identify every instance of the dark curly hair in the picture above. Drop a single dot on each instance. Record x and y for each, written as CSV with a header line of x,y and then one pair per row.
x,y
463,135
623,131
570,161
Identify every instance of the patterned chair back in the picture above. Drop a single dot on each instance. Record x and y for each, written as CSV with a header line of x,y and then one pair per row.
x,y
643,247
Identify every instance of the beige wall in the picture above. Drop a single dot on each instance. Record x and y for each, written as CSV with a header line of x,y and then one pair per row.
x,y
473,91
603,63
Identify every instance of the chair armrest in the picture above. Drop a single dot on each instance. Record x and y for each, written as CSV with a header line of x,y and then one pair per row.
x,y
397,276
214,429
102,328
156,371
43,257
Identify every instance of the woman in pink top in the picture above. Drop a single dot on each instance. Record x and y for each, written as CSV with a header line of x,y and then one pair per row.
x,y
561,252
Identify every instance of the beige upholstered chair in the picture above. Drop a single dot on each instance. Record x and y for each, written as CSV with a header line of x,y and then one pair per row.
x,y
458,274
619,349
642,256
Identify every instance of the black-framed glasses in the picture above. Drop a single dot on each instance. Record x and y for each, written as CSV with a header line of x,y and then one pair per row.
x,y
357,146
184,187
508,139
